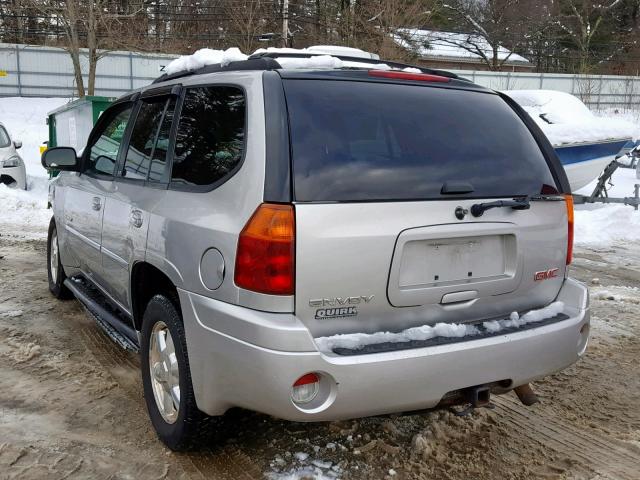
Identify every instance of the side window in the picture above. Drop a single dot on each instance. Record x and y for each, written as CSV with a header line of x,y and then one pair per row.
x,y
103,153
161,151
210,136
143,138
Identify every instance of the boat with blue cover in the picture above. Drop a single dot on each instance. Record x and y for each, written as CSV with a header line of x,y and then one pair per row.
x,y
584,142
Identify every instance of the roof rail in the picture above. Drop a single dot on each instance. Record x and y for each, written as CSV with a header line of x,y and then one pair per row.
x,y
267,61
250,64
344,58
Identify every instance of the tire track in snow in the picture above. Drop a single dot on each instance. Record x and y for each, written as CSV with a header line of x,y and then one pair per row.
x,y
594,453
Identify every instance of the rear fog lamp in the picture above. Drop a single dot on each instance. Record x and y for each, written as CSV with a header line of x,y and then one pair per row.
x,y
306,388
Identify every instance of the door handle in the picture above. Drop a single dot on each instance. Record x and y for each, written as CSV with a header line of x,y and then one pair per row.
x,y
96,203
136,218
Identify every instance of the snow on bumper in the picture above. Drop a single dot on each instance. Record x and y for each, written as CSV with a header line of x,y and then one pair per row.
x,y
253,371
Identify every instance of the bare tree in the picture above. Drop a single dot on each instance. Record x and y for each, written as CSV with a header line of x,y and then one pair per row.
x,y
94,25
379,24
490,29
581,21
247,20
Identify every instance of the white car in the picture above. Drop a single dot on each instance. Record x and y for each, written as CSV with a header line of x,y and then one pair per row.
x,y
12,171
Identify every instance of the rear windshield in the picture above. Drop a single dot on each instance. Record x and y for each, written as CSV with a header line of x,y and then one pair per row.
x,y
364,141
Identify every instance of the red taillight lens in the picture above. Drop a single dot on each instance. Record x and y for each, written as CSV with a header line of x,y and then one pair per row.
x,y
416,77
569,201
306,380
265,258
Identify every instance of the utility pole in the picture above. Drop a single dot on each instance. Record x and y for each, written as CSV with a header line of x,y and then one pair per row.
x,y
285,22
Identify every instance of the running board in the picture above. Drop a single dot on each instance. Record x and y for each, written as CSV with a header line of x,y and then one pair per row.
x,y
112,324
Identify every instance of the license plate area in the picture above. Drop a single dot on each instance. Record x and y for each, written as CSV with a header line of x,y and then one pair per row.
x,y
446,261
431,262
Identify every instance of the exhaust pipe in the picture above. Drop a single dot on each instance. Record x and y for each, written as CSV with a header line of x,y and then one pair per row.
x,y
526,395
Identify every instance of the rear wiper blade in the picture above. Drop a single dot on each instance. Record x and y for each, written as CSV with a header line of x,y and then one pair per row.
x,y
478,209
547,198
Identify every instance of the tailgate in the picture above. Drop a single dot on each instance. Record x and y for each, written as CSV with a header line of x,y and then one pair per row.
x,y
379,266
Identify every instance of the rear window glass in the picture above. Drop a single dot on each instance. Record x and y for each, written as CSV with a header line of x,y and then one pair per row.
x,y
359,141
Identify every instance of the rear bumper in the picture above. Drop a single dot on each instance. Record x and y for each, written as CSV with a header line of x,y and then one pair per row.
x,y
256,373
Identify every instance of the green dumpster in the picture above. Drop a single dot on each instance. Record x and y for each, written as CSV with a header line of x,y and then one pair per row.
x,y
71,124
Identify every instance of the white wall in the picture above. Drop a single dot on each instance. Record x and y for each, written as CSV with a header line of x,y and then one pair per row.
x,y
34,71
599,92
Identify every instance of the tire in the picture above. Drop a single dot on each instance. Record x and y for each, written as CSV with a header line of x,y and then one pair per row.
x,y
183,427
55,270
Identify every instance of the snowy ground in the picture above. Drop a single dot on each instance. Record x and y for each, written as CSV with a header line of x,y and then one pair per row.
x,y
600,225
71,405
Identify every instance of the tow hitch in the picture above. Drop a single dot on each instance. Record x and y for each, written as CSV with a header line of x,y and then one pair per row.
x,y
476,397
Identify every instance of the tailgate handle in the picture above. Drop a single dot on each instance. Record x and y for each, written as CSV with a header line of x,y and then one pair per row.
x,y
457,297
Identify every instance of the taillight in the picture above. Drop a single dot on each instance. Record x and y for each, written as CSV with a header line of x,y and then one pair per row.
x,y
569,201
416,77
265,258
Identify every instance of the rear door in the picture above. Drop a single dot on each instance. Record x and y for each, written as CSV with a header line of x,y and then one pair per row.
x,y
384,178
142,177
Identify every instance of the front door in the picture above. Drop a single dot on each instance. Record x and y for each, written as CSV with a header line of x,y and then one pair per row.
x,y
85,198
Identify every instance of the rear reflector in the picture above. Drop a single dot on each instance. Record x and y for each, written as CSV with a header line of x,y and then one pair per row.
x,y
265,257
305,388
569,201
416,77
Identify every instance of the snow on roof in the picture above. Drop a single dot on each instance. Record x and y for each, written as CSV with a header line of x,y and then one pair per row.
x,y
203,57
431,43
564,119
207,56
326,49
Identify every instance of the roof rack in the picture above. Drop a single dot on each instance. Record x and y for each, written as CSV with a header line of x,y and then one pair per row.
x,y
267,61
368,61
249,64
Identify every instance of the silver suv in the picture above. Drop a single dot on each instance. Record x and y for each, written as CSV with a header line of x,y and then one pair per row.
x,y
319,244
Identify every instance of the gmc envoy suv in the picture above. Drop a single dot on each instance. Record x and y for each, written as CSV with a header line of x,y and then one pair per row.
x,y
319,243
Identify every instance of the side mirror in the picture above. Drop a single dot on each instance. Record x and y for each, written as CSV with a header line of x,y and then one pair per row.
x,y
17,144
60,158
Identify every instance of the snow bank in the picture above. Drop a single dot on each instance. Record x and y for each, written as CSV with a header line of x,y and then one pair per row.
x,y
449,330
203,57
25,212
25,119
570,120
599,225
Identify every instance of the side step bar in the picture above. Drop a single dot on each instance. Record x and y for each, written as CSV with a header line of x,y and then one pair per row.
x,y
112,324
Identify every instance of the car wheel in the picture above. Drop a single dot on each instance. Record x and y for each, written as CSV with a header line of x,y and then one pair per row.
x,y
55,270
166,378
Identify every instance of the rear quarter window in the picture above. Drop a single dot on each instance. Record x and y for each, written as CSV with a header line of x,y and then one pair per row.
x,y
211,136
365,141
